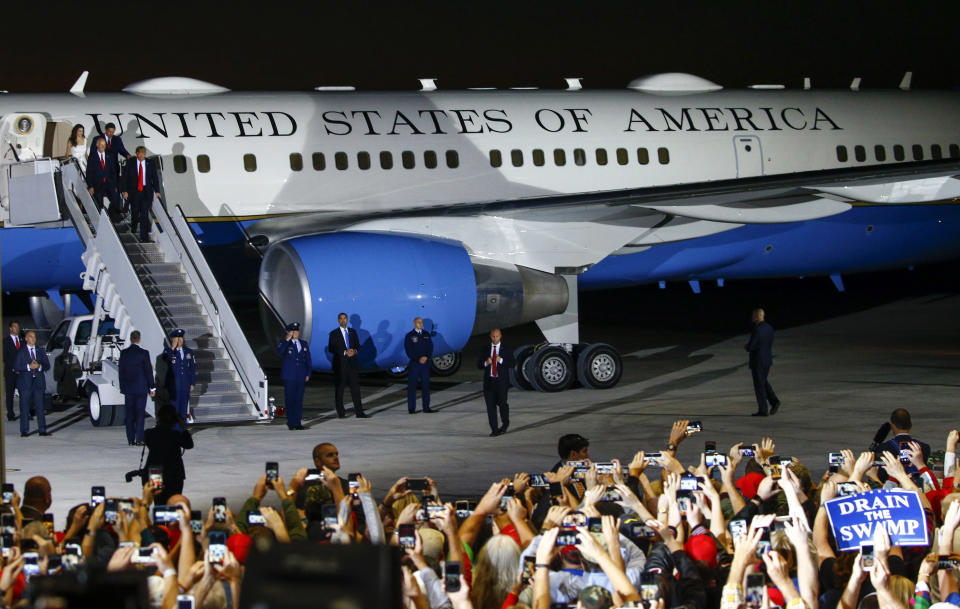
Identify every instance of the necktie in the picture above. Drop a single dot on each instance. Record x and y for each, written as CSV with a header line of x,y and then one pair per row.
x,y
108,143
346,338
16,342
493,363
139,176
33,356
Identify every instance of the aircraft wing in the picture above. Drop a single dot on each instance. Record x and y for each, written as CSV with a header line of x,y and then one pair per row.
x,y
568,233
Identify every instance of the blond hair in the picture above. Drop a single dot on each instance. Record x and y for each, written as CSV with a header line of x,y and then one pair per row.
x,y
495,572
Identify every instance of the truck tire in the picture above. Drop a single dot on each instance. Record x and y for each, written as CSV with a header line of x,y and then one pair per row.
x,y
101,415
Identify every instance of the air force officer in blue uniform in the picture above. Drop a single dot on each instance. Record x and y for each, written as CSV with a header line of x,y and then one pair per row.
x,y
136,382
419,348
31,363
295,372
760,347
182,375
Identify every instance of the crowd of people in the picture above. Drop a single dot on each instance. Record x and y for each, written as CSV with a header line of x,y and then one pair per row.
x,y
742,527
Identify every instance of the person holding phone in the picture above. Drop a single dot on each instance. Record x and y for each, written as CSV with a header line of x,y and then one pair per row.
x,y
165,445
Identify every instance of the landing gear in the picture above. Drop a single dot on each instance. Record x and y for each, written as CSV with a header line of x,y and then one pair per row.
x,y
445,365
554,367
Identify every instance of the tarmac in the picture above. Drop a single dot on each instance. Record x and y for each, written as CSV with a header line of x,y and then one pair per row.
x,y
842,363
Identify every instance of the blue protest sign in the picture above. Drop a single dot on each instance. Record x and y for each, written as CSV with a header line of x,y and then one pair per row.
x,y
854,517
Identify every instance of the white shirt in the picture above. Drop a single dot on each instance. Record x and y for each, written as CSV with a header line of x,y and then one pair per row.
x,y
101,158
16,340
297,343
499,358
33,356
180,351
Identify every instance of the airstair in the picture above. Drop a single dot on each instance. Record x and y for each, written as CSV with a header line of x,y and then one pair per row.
x,y
154,287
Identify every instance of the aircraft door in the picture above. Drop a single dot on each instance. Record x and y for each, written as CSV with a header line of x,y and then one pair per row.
x,y
21,138
749,156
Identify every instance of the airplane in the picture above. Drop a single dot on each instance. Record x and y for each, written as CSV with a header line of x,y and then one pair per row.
x,y
477,209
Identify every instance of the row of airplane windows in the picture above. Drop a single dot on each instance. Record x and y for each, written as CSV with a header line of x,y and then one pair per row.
x,y
408,159
899,154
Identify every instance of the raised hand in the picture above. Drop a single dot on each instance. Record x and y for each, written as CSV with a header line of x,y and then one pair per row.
x,y
638,464
555,516
490,503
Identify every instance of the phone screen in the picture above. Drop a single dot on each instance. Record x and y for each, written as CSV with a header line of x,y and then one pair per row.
x,y
451,576
694,426
756,584
866,557
97,496
186,601
649,586
31,563
217,547
219,509
255,517
417,484
406,536
330,515
595,525
156,476
272,471
352,482
110,511
7,493
196,521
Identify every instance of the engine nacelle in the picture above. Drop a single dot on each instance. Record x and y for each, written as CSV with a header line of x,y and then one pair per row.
x,y
383,281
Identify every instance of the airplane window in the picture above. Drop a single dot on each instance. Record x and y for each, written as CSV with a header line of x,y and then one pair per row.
x,y
643,157
601,156
430,159
319,161
179,163
880,152
917,152
516,157
954,151
622,157
559,157
363,160
898,152
340,160
842,154
579,156
249,162
386,160
408,160
860,153
453,159
663,155
936,152
495,160
296,161
203,163
538,159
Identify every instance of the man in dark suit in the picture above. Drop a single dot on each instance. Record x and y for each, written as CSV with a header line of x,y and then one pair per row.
x,y
419,348
102,179
760,347
344,344
136,382
295,372
11,346
30,365
113,144
496,361
140,183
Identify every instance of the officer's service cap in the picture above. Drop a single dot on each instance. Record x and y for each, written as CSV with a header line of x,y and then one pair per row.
x,y
293,326
176,333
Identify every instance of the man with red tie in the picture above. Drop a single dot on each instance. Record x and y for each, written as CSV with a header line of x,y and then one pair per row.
x,y
11,346
496,360
102,179
140,183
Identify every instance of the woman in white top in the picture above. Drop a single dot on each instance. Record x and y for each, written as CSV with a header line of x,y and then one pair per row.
x,y
77,146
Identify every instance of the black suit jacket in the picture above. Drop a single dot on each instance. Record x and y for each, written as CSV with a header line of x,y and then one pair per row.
x,y
101,176
165,449
337,347
10,354
503,369
116,146
760,345
22,364
129,180
136,372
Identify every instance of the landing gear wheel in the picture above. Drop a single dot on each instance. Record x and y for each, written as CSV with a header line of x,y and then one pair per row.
x,y
550,369
599,366
101,415
445,365
517,378
397,372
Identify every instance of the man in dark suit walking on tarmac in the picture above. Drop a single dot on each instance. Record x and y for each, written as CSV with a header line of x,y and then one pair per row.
x,y
760,347
136,382
496,361
344,345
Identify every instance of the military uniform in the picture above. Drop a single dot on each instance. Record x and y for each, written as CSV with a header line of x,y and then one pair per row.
x,y
294,371
181,375
418,344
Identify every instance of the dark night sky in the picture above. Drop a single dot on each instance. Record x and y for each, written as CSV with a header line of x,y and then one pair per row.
x,y
283,46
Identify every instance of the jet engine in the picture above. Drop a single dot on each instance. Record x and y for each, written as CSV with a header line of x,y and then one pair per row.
x,y
382,281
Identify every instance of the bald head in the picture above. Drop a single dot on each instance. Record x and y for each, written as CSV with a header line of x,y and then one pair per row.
x,y
37,494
